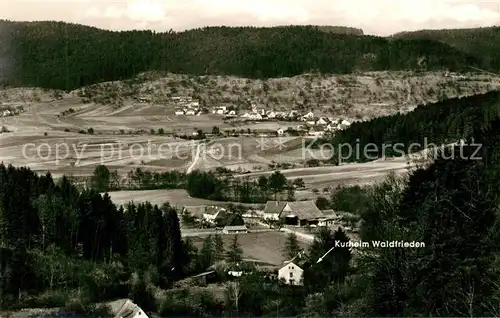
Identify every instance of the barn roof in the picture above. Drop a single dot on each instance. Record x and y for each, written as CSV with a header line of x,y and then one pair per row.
x,y
304,210
233,218
274,207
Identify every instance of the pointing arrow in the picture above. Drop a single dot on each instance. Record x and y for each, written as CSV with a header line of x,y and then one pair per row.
x,y
322,257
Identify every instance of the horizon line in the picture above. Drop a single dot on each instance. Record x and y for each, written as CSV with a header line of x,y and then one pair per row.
x,y
245,26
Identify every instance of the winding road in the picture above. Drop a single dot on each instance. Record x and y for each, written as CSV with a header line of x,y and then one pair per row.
x,y
195,159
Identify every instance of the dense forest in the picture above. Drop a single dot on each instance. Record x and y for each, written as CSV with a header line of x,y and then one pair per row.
x,y
480,42
440,123
67,56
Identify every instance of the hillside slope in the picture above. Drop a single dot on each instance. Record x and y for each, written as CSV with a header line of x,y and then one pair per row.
x,y
481,42
67,56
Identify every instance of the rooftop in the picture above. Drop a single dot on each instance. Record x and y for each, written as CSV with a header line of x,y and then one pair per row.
x,y
236,228
304,210
274,207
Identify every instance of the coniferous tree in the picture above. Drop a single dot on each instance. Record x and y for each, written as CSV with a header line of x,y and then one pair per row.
x,y
218,247
292,247
234,251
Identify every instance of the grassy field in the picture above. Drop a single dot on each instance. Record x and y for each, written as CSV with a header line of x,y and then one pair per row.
x,y
265,246
177,197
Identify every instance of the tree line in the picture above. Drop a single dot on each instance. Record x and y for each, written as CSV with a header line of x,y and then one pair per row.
x,y
213,186
66,56
220,185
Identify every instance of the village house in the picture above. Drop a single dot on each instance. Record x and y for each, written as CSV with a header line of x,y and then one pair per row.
x,y
190,112
232,113
273,209
245,115
256,116
271,114
214,214
322,121
6,113
293,271
179,112
308,116
344,124
280,131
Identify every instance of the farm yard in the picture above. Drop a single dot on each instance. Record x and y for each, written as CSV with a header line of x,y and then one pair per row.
x,y
265,246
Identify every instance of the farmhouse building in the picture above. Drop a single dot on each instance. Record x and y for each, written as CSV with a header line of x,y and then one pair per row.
x,y
273,209
291,273
215,214
299,213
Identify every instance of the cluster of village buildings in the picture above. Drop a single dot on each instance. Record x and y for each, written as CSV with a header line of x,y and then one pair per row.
x,y
295,214
6,112
313,125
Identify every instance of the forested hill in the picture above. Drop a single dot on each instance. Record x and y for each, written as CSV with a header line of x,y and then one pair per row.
x,y
440,123
67,56
480,42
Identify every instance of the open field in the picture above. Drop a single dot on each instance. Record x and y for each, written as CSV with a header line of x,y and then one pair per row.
x,y
352,173
266,246
176,197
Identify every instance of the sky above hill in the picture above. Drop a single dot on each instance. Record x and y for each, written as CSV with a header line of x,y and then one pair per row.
x,y
381,17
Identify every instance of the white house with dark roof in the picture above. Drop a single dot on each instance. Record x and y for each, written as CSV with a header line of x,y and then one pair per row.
x,y
212,214
293,271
